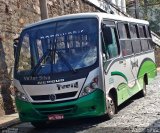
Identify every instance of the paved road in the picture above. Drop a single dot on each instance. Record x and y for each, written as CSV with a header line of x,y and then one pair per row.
x,y
136,115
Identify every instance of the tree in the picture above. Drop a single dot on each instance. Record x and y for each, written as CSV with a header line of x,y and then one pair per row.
x,y
150,11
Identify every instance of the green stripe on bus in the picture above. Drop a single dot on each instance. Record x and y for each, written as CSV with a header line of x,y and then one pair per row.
x,y
119,74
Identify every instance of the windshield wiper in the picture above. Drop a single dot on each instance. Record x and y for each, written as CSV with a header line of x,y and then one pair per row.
x,y
65,61
35,69
54,47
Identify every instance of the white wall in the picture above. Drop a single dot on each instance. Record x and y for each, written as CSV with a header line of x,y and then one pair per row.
x,y
100,3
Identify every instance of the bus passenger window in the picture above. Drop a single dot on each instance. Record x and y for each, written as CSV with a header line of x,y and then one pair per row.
x,y
143,36
149,40
110,41
134,37
125,39
123,30
126,47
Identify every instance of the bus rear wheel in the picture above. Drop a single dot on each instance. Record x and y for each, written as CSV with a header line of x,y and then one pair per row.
x,y
111,110
143,92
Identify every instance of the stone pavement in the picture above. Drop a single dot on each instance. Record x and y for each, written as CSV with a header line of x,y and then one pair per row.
x,y
9,120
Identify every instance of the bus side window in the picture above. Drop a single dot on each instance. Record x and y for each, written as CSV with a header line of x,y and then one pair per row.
x,y
135,38
110,41
125,40
143,36
149,40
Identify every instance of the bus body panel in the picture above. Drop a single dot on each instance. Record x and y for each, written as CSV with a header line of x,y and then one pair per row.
x,y
58,89
87,106
123,79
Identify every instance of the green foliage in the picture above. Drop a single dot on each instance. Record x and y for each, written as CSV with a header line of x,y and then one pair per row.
x,y
150,11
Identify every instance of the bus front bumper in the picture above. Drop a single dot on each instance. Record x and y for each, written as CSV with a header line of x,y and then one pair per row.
x,y
87,106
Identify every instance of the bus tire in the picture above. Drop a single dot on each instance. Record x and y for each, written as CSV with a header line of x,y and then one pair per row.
x,y
39,125
111,110
143,92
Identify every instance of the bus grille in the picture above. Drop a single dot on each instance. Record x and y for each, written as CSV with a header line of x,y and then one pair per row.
x,y
58,96
57,110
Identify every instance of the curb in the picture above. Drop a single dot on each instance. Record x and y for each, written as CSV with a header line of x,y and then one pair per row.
x,y
9,123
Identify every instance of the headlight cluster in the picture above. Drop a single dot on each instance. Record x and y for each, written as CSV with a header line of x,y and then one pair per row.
x,y
20,95
90,87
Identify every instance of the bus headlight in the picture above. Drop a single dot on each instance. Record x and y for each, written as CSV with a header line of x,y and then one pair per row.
x,y
20,95
90,87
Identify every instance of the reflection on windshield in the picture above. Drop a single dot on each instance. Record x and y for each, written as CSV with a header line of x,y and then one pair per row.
x,y
59,47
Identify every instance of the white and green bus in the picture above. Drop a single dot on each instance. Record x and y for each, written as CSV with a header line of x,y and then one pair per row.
x,y
81,65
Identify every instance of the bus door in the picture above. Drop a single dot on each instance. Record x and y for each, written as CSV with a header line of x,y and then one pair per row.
x,y
110,48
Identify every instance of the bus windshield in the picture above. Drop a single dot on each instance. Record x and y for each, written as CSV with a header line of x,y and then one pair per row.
x,y
57,47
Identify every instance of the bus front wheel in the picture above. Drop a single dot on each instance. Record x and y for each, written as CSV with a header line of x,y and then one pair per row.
x,y
111,109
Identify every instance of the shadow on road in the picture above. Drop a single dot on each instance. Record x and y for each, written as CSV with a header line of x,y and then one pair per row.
x,y
71,126
153,128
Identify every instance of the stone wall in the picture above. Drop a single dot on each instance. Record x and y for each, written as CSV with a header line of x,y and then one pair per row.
x,y
62,7
14,15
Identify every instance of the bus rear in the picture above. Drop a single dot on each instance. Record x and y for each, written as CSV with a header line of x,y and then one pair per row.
x,y
57,71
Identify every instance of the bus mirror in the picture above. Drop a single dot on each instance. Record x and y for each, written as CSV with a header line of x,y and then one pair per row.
x,y
15,45
104,58
107,34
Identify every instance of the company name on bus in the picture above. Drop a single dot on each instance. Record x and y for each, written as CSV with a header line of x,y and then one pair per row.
x,y
50,81
43,80
27,78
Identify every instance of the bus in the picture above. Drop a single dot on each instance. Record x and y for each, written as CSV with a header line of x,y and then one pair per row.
x,y
81,65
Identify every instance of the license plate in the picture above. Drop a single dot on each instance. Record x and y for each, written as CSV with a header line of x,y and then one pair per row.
x,y
56,117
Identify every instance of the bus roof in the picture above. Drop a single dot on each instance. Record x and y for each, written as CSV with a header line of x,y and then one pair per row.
x,y
88,15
